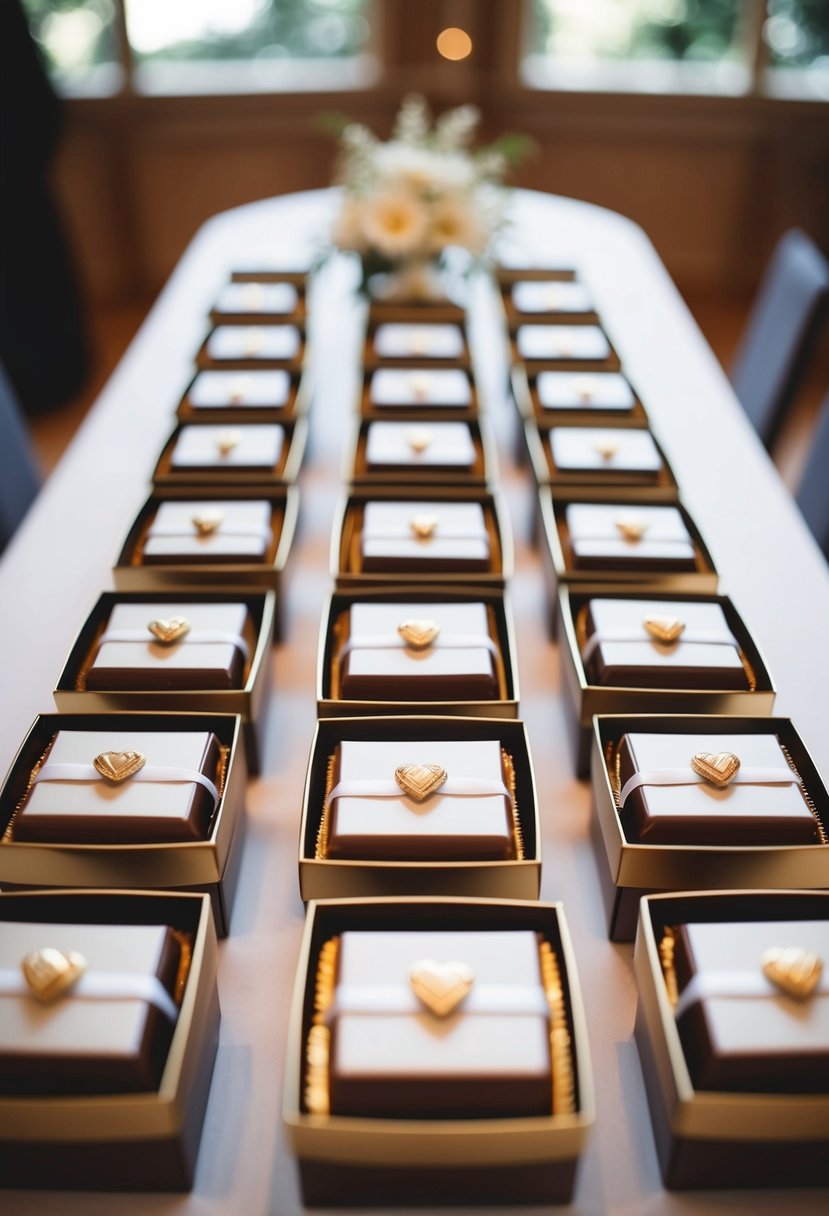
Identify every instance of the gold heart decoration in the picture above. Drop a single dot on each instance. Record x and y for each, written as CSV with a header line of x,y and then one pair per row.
x,y
423,526
586,388
419,386
50,973
793,970
631,527
239,390
420,781
664,629
720,768
169,631
119,766
440,986
207,522
226,441
606,447
419,438
418,634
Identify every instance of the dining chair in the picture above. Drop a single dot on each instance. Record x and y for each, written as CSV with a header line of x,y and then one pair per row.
x,y
813,492
19,476
785,321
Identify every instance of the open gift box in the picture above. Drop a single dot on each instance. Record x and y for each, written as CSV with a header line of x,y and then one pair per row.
x,y
445,454
635,652
66,822
710,1011
385,535
418,650
195,652
250,454
188,538
435,1132
227,397
764,824
484,841
128,981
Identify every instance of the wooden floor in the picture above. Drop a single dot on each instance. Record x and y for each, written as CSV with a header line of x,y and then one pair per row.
x,y
720,317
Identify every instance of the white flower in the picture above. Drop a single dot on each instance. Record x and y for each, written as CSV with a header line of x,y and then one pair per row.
x,y
457,221
394,223
420,169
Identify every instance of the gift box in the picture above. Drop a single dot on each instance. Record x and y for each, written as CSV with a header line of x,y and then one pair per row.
x,y
750,1107
134,801
567,347
655,654
557,398
226,397
412,344
241,538
766,828
259,303
419,650
417,394
471,841
548,301
247,347
380,536
625,460
436,453
592,540
380,1142
195,652
247,454
106,1114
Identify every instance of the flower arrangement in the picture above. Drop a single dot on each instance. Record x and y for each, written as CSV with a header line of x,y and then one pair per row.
x,y
407,202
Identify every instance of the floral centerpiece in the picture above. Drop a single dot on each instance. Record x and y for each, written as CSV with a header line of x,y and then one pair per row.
x,y
409,202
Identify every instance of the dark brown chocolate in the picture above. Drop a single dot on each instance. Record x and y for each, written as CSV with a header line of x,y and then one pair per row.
x,y
743,1033
705,655
78,1045
763,813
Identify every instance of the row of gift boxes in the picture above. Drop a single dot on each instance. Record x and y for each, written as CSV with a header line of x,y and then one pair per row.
x,y
446,986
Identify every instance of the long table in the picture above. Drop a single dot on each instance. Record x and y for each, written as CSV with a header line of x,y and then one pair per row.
x,y
61,558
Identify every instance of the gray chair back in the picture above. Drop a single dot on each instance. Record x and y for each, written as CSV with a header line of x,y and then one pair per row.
x,y
785,320
19,476
813,491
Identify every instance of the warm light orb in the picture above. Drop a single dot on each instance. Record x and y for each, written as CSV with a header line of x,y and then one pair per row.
x,y
454,43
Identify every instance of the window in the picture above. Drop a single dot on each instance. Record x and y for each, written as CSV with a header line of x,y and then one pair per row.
x,y
710,46
174,46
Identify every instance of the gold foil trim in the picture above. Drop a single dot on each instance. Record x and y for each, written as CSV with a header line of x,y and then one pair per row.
x,y
667,957
185,958
318,1044
580,622
508,765
562,1066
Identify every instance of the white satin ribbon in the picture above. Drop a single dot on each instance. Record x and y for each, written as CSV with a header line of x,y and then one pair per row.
x,y
687,776
734,985
101,986
153,773
209,637
702,637
441,532
384,999
444,641
179,530
467,787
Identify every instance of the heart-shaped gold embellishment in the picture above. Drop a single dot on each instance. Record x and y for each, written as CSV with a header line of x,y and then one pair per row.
x,y
418,634
254,339
50,973
419,386
419,342
207,522
586,388
419,438
118,766
606,447
253,296
440,986
793,969
719,768
420,781
169,631
227,441
423,526
631,527
664,629
239,390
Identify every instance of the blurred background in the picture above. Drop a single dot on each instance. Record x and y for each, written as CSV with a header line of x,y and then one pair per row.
x,y
705,121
